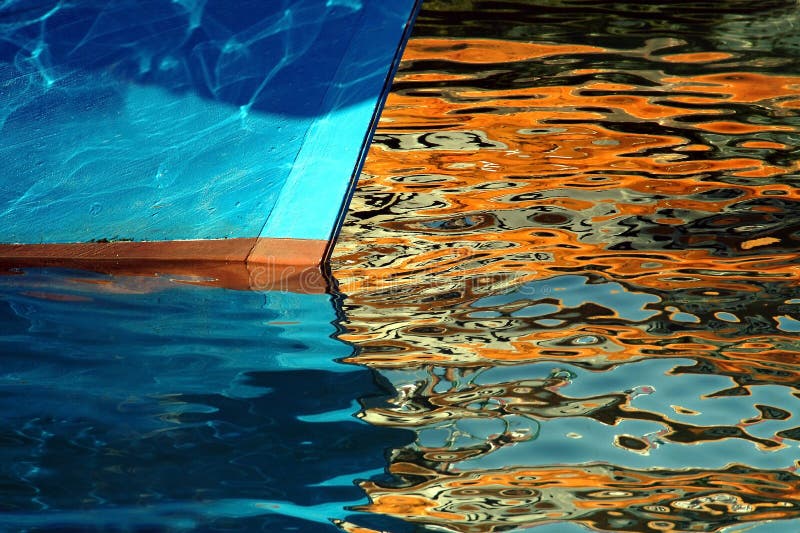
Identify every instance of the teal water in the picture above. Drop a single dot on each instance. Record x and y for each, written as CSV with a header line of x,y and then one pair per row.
x,y
153,404
567,301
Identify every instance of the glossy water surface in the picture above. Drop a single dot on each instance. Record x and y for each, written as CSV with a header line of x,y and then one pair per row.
x,y
570,304
574,254
156,404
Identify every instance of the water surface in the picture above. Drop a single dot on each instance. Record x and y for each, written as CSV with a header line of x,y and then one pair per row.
x,y
573,252
569,303
160,404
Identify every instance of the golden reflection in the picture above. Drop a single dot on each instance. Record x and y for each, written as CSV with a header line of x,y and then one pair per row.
x,y
533,203
602,497
459,201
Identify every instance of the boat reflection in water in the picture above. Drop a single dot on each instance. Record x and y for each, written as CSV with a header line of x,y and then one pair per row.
x,y
574,253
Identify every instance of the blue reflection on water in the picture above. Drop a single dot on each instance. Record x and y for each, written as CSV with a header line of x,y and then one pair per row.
x,y
572,291
148,402
574,429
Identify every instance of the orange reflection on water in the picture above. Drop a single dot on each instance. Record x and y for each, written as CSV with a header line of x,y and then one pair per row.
x,y
526,203
490,183
487,51
598,496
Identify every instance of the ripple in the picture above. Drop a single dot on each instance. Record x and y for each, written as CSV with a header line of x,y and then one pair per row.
x,y
605,241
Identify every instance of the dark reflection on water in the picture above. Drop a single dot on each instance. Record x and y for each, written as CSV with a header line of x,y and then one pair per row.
x,y
574,253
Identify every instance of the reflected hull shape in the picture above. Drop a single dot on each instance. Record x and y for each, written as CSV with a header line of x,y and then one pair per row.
x,y
172,132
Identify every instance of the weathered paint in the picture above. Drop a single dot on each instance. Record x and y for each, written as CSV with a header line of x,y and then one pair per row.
x,y
254,264
187,124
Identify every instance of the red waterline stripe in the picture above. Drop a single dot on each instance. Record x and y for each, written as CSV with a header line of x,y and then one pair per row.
x,y
274,264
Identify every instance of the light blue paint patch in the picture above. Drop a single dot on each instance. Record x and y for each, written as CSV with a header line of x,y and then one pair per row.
x,y
144,164
787,323
574,291
188,119
327,161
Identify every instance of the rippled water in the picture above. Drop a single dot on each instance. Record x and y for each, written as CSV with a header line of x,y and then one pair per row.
x,y
574,255
155,404
569,275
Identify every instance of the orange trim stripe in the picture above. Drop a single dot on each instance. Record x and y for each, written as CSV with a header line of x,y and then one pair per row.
x,y
244,264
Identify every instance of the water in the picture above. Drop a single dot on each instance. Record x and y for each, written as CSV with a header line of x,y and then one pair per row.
x,y
566,302
574,254
156,404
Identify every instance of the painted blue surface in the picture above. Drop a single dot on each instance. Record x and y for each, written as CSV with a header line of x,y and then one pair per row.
x,y
154,403
186,119
313,184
